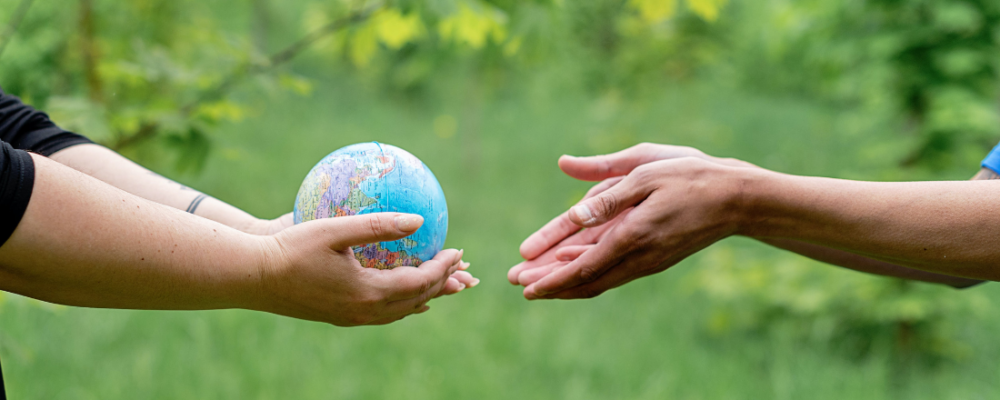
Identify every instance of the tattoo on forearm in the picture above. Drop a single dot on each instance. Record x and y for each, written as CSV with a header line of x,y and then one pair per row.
x,y
195,203
985,174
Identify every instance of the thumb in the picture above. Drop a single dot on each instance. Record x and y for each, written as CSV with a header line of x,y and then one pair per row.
x,y
607,205
597,168
370,228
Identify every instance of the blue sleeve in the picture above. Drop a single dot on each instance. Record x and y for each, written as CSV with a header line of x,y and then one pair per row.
x,y
992,161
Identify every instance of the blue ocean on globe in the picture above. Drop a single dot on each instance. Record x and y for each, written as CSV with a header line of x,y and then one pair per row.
x,y
375,177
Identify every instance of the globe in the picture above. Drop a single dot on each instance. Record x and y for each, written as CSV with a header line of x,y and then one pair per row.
x,y
375,177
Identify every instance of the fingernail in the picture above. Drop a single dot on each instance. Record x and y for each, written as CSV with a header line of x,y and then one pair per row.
x,y
464,266
461,286
475,282
583,214
409,222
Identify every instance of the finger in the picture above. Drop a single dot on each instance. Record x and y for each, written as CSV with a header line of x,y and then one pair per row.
x,y
458,282
406,282
570,253
626,272
559,228
588,267
285,221
533,275
408,305
601,187
466,278
451,286
543,260
357,230
553,232
612,202
601,167
587,236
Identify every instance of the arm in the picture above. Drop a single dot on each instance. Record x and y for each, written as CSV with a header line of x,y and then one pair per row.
x,y
663,211
84,243
29,129
864,264
550,239
106,165
861,263
948,228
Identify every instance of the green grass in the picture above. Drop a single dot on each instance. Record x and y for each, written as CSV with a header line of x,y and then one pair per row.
x,y
647,340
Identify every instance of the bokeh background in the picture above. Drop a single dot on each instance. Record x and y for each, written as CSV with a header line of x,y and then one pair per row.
x,y
240,98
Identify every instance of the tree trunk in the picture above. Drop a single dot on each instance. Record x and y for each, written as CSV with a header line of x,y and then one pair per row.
x,y
88,45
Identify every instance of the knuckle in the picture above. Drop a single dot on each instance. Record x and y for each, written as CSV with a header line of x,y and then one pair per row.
x,y
606,203
425,285
424,298
646,146
692,152
589,274
375,226
644,171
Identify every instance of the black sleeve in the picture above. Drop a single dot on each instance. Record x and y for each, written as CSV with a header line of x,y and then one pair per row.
x,y
26,128
17,177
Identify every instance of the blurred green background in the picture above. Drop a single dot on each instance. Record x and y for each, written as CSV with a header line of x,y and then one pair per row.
x,y
240,99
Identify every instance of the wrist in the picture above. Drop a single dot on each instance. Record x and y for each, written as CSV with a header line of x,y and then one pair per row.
x,y
246,289
755,197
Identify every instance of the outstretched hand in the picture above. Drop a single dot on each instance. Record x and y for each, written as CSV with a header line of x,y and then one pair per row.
x,y
314,275
656,205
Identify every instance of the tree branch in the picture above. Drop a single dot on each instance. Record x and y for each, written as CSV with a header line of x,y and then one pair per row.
x,y
15,21
149,129
283,56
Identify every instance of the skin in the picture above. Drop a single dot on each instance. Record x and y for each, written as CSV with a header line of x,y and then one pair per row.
x,y
85,243
658,204
111,168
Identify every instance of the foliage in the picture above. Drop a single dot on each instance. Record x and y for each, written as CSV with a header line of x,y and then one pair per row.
x,y
933,62
807,301
480,79
125,73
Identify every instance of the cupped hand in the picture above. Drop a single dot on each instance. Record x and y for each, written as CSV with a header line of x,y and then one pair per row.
x,y
312,273
658,214
539,249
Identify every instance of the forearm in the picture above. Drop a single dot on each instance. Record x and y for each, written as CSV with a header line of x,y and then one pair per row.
x,y
82,242
940,227
115,170
864,264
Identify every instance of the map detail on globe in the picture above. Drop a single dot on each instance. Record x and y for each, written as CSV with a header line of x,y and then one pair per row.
x,y
375,177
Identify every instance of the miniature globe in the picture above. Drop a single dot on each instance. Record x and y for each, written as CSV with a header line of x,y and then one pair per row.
x,y
375,177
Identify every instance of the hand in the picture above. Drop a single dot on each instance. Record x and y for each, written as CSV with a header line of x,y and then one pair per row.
x,y
539,249
312,273
547,248
680,207
267,226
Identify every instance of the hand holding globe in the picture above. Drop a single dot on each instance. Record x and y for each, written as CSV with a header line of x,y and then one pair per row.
x,y
376,181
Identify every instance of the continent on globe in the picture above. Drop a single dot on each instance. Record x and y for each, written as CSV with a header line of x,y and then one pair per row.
x,y
375,177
